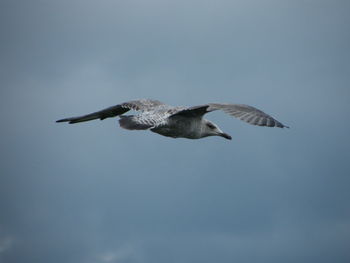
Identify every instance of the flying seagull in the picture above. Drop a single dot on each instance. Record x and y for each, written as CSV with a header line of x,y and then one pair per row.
x,y
177,122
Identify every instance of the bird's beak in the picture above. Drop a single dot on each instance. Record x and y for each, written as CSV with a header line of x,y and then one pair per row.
x,y
225,135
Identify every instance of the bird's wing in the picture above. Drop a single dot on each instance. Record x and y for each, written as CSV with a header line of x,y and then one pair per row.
x,y
243,112
149,119
137,105
143,121
195,111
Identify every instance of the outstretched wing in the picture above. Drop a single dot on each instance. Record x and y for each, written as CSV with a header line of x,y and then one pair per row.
x,y
243,112
137,105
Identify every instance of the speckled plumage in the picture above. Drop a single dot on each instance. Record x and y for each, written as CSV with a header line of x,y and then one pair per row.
x,y
184,122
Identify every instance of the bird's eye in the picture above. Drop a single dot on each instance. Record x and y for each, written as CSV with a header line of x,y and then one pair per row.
x,y
211,126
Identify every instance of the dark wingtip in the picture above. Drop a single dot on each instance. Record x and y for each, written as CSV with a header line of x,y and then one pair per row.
x,y
64,120
280,125
284,126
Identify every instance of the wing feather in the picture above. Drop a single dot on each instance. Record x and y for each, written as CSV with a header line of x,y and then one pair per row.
x,y
243,112
137,105
247,113
143,121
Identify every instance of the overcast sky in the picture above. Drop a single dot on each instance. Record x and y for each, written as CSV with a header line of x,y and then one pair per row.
x,y
96,193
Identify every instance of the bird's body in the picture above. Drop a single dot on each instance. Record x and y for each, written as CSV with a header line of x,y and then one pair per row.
x,y
177,122
180,127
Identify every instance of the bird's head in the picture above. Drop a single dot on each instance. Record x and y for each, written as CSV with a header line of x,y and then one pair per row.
x,y
211,129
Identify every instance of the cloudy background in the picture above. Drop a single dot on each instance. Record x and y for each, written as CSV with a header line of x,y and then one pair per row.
x,y
95,193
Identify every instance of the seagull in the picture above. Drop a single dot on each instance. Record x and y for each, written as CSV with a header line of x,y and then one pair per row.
x,y
177,122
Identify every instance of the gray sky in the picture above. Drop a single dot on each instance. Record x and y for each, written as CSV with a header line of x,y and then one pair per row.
x,y
95,193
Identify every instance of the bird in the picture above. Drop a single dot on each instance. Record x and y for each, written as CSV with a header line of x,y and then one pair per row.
x,y
177,121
